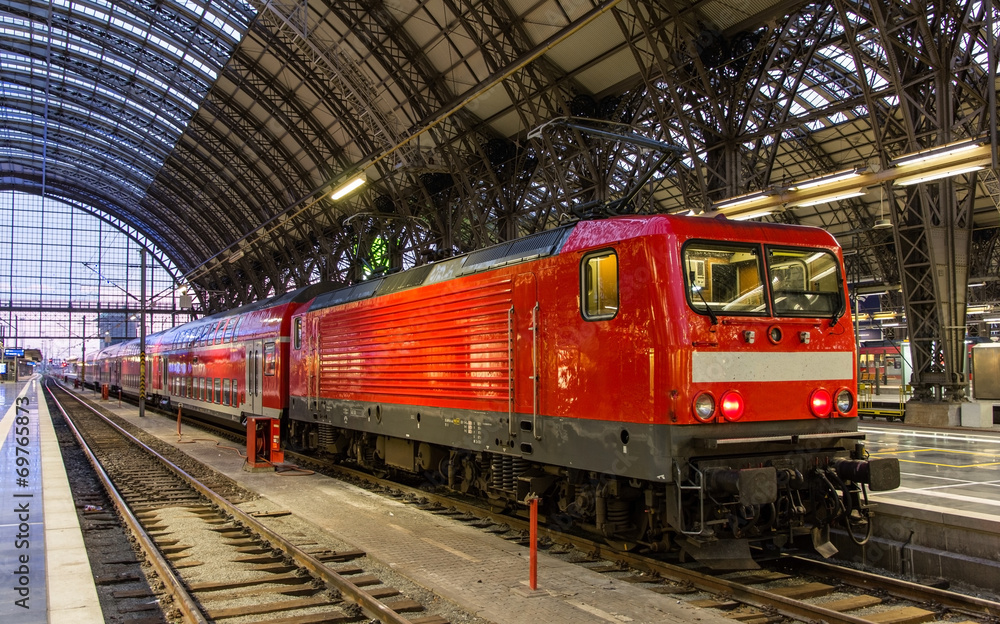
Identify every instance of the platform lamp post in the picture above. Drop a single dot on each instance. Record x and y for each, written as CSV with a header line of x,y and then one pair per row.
x,y
142,332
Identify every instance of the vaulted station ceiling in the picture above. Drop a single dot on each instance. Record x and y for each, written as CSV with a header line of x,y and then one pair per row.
x,y
219,129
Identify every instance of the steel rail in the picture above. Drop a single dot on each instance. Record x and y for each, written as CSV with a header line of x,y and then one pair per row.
x,y
897,587
368,603
171,583
759,598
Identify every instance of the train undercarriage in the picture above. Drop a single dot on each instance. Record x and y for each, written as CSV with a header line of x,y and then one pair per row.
x,y
716,510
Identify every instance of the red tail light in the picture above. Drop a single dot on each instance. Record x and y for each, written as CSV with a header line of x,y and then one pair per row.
x,y
731,405
821,403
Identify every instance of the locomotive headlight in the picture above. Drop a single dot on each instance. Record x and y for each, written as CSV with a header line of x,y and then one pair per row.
x,y
732,405
821,403
704,406
845,401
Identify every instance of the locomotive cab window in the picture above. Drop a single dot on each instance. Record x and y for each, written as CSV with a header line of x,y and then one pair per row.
x,y
804,282
599,286
297,333
724,278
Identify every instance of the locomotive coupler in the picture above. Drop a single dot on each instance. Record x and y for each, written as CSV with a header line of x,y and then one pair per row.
x,y
880,474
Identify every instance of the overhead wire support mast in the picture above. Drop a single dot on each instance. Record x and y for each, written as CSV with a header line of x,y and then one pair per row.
x,y
584,124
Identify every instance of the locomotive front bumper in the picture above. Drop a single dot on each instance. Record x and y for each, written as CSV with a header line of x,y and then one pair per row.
x,y
880,474
759,486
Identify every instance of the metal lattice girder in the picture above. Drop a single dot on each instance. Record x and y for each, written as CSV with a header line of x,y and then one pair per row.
x,y
255,110
941,98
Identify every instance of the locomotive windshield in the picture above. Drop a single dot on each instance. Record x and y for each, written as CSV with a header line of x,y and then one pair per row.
x,y
724,278
728,279
804,282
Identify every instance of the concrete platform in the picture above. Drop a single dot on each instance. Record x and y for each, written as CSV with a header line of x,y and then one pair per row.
x,y
944,520
484,574
41,546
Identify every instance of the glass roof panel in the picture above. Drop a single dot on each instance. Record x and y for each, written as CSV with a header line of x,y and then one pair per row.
x,y
77,84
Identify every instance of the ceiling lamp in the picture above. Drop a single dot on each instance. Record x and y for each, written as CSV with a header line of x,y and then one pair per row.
x,y
937,174
742,201
829,179
829,197
949,151
753,214
348,187
881,223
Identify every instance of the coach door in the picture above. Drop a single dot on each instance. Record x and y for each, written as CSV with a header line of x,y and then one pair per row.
x,y
526,379
255,370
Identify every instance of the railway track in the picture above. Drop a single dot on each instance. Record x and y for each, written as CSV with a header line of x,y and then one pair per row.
x,y
790,588
216,563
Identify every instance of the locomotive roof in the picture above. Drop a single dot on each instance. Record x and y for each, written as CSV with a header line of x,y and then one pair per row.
x,y
551,242
539,245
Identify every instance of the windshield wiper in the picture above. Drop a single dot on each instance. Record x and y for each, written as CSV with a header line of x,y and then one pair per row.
x,y
708,308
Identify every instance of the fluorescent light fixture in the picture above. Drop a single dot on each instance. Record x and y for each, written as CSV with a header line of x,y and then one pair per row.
x,y
753,214
976,284
891,324
348,187
937,174
949,150
994,319
883,315
978,309
832,178
742,200
832,197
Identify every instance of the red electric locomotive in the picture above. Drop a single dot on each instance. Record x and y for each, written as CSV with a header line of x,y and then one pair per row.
x,y
655,378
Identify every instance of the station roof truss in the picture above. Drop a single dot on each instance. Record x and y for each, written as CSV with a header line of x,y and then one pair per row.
x,y
219,129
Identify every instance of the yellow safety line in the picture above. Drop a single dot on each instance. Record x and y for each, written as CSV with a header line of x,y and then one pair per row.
x,y
911,461
937,450
927,450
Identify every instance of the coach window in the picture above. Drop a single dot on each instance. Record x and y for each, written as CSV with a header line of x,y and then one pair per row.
x,y
599,286
297,333
270,359
218,390
236,400
225,392
220,332
230,330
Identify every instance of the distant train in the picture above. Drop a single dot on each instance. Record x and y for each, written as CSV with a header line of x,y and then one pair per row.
x,y
885,366
663,381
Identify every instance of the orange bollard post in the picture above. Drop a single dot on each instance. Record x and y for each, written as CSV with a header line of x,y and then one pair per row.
x,y
179,409
533,548
119,397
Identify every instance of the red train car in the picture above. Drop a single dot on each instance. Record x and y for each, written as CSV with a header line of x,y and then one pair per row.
x,y
648,376
232,366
